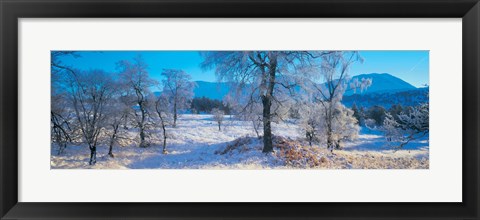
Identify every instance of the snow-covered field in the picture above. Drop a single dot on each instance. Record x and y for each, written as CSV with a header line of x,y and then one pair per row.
x,y
196,143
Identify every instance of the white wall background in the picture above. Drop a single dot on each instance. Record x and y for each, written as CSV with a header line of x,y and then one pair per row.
x,y
441,183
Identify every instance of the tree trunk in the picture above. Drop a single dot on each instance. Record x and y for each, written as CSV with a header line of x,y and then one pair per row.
x,y
164,130
329,138
61,147
142,137
267,104
267,128
175,114
141,124
219,124
329,121
164,138
112,140
110,152
164,151
309,136
337,145
93,155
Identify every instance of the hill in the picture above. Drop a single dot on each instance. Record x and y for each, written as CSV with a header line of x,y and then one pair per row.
x,y
382,82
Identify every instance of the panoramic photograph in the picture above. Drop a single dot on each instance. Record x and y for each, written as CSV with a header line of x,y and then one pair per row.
x,y
254,110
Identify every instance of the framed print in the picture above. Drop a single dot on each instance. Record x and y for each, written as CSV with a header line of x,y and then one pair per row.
x,y
225,109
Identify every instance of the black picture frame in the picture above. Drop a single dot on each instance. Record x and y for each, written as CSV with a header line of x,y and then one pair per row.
x,y
12,10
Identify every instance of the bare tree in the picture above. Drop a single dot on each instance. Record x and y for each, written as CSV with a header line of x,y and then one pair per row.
x,y
345,126
90,92
411,125
264,74
60,114
312,121
330,85
137,82
57,66
163,111
218,116
117,113
178,87
254,114
60,130
251,113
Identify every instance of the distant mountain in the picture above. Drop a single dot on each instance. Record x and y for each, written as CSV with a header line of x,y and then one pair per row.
x,y
385,90
383,83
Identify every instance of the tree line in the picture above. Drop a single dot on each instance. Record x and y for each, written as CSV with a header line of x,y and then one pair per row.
x,y
201,105
94,106
399,124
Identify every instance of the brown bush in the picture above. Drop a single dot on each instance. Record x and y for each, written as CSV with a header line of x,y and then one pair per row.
x,y
295,154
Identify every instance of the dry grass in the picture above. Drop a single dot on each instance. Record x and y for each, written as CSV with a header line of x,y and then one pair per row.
x,y
296,154
375,160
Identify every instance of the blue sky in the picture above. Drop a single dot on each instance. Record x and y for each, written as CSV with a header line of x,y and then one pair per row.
x,y
410,66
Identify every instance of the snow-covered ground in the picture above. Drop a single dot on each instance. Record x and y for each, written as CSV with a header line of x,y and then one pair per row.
x,y
196,143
